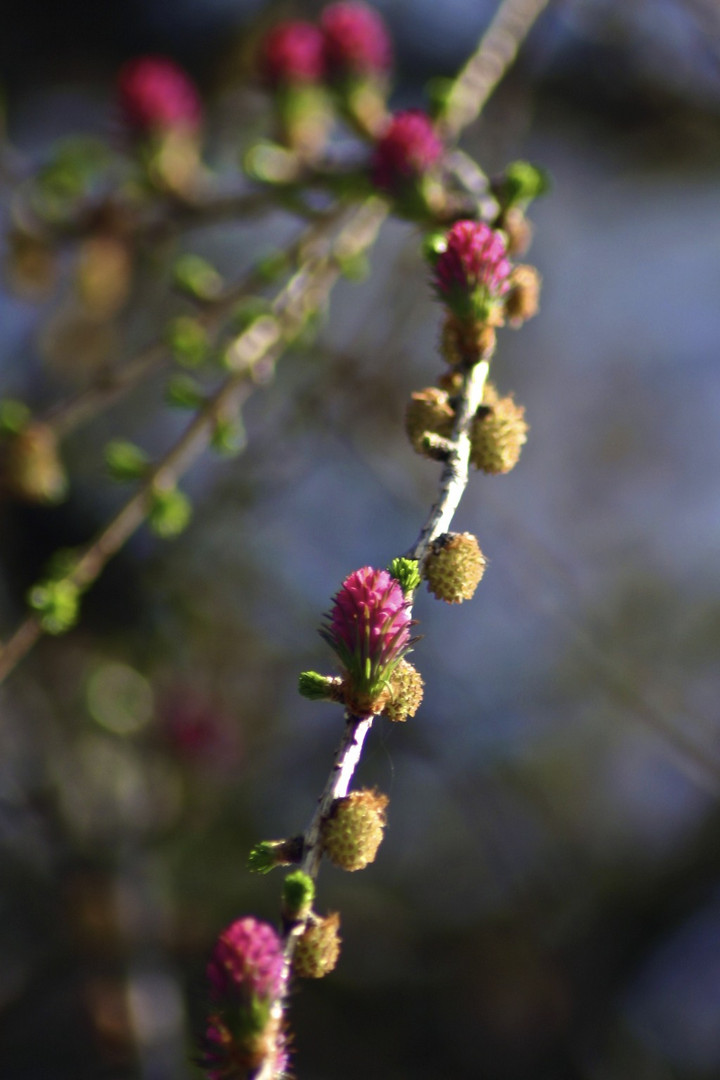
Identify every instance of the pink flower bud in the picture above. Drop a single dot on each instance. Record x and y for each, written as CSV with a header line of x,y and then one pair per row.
x,y
356,40
247,960
156,95
406,151
292,53
473,270
369,629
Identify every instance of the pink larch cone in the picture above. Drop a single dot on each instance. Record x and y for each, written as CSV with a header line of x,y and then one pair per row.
x,y
369,630
472,273
356,40
155,95
406,151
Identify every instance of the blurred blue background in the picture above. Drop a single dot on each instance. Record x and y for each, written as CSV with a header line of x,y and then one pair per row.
x,y
547,900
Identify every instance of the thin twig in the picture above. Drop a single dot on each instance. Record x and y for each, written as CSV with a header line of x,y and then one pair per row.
x,y
252,357
496,52
476,81
454,477
67,415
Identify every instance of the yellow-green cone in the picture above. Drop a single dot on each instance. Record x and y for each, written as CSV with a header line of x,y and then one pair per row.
x,y
318,947
523,299
497,435
353,832
33,470
454,566
406,693
428,411
464,343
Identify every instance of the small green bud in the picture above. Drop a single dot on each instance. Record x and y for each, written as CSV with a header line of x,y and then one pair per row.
x,y
438,92
125,461
298,895
316,687
57,603
268,854
184,392
407,573
188,341
520,183
14,415
170,511
433,246
229,436
271,164
197,276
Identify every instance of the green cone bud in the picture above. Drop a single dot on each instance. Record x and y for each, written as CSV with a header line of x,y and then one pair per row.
x,y
298,895
125,461
170,511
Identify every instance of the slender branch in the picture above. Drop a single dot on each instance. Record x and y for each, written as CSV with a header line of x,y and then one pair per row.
x,y
488,64
252,357
67,415
496,51
454,477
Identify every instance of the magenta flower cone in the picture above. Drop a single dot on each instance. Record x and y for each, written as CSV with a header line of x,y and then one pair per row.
x,y
406,151
155,95
472,272
369,630
245,973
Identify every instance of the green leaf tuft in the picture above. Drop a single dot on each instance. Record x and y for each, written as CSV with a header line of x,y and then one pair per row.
x,y
126,461
57,603
315,687
407,573
170,511
197,276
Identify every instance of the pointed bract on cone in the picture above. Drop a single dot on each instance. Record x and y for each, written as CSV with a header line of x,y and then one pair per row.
x,y
369,630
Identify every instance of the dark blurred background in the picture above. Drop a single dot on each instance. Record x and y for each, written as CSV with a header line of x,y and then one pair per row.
x,y
547,900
